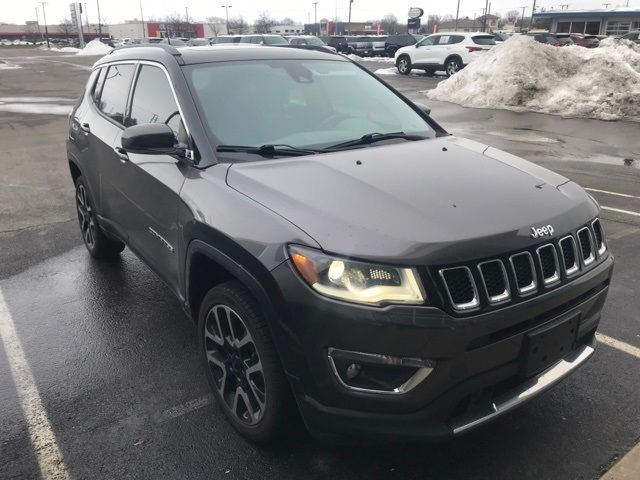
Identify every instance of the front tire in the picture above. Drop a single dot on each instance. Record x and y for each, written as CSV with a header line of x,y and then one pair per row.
x,y
403,64
242,364
97,243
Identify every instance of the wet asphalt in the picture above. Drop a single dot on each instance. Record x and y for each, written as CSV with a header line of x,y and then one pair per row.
x,y
114,359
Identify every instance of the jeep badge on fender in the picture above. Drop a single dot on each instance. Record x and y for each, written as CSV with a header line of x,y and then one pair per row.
x,y
541,231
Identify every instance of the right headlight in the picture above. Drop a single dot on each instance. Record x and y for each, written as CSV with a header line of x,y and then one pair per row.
x,y
357,282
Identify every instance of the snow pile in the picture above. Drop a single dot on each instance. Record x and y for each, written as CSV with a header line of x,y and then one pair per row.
x,y
522,74
95,47
69,50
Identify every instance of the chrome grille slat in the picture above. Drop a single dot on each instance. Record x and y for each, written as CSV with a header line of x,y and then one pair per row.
x,y
516,266
500,281
585,241
459,303
545,254
569,249
598,234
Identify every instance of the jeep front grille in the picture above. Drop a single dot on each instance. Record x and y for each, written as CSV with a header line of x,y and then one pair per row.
x,y
512,277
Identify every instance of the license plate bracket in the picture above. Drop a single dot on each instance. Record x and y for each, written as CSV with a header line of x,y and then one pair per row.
x,y
546,345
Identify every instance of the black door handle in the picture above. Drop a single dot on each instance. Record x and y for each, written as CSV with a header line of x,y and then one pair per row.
x,y
122,154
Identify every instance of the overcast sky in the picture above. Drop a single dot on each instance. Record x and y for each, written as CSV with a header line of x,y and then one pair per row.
x,y
114,11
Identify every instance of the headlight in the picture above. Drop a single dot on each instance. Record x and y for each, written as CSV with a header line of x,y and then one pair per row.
x,y
357,281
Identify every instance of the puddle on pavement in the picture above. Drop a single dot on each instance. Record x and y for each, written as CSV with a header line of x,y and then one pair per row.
x,y
525,136
610,160
36,105
4,65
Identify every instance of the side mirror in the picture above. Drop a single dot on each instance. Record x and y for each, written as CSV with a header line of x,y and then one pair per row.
x,y
151,139
423,108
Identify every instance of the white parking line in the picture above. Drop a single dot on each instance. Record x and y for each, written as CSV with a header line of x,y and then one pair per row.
x,y
626,195
43,440
619,210
618,345
187,407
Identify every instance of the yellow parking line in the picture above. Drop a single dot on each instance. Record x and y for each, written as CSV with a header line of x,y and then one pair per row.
x,y
43,440
618,345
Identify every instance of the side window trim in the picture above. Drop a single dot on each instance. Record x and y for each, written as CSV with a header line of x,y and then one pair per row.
x,y
134,82
97,106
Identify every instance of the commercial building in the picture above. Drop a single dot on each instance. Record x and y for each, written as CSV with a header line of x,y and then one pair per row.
x,y
33,32
329,27
286,29
609,21
137,29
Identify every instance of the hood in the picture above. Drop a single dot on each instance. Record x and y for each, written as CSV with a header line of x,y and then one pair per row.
x,y
407,202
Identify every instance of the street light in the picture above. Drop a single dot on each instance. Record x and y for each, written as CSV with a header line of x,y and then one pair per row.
x,y
315,18
457,13
349,27
522,20
44,15
227,7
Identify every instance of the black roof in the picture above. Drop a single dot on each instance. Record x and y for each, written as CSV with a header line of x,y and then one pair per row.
x,y
218,53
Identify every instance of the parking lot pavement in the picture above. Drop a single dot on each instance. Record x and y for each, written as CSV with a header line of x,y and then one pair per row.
x,y
99,376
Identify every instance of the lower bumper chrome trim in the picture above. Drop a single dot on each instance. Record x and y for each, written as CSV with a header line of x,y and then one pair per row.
x,y
529,389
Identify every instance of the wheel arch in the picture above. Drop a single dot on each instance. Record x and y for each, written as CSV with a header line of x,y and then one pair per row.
x,y
452,56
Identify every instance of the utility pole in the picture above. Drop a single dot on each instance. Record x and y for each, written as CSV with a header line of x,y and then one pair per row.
x,y
99,20
142,21
457,13
315,18
533,10
44,16
484,14
186,13
38,24
349,26
522,19
227,7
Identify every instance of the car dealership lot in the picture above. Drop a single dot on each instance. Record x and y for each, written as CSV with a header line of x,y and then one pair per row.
x,y
98,372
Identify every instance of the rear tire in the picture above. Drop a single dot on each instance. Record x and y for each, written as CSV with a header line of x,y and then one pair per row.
x,y
403,64
97,243
452,66
242,364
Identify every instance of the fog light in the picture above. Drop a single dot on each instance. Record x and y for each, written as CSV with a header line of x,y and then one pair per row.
x,y
375,373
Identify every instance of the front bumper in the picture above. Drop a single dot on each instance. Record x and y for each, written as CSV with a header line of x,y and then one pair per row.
x,y
479,372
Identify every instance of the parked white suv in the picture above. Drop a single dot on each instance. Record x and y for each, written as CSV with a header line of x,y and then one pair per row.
x,y
443,51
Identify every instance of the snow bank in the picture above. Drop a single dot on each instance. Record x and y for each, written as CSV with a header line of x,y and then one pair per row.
x,y
358,58
522,74
95,47
69,50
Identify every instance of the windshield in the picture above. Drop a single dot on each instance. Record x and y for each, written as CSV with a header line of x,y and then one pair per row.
x,y
303,104
275,40
314,41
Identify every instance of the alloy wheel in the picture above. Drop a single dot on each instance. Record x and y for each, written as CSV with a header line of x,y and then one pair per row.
x,y
235,364
452,67
402,65
85,216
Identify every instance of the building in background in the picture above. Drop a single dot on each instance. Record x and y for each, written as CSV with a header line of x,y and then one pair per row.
x,y
609,21
33,32
137,29
328,27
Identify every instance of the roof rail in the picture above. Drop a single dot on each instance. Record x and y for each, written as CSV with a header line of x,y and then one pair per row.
x,y
170,49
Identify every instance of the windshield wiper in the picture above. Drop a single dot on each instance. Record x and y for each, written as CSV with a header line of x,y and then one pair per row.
x,y
372,138
268,150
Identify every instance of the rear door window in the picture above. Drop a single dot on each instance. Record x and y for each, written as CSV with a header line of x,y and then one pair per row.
x,y
484,40
443,40
113,99
453,39
97,88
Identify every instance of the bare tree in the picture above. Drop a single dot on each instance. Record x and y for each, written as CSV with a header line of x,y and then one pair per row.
x,y
67,28
237,25
389,23
32,31
214,24
177,26
286,21
263,23
432,21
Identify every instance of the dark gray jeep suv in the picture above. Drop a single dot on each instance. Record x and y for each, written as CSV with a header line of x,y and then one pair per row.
x,y
344,259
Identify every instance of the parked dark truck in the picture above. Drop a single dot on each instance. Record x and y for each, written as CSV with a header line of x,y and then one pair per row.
x,y
358,265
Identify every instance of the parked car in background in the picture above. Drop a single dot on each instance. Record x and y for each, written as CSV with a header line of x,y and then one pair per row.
x,y
226,39
198,42
264,39
587,41
310,42
633,36
394,42
556,40
443,51
338,42
361,46
176,42
378,46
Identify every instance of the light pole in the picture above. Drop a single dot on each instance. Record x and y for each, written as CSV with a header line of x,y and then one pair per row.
x,y
349,26
484,14
227,7
522,19
457,13
533,10
142,21
44,16
315,18
99,20
38,24
186,14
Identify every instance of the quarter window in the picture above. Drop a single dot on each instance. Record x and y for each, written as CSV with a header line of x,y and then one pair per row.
x,y
153,101
97,88
113,99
